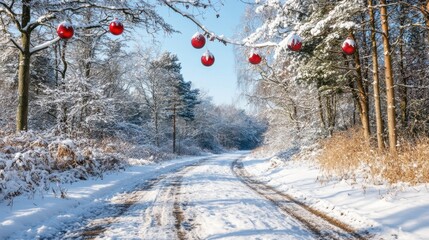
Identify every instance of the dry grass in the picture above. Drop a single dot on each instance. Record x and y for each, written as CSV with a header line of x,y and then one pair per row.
x,y
65,156
347,154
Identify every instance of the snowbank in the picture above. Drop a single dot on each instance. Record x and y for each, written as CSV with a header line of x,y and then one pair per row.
x,y
394,212
34,163
22,219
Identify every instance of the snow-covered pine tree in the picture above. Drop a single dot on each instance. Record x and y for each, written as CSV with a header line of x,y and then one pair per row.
x,y
180,98
333,80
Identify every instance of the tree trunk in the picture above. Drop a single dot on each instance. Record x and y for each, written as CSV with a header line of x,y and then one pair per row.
x,y
363,97
63,127
156,128
174,129
295,117
403,102
24,71
377,103
57,49
330,112
87,55
321,115
391,121
366,52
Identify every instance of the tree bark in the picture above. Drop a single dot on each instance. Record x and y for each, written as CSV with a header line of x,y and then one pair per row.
x,y
362,94
63,126
354,94
321,115
174,129
375,77
366,52
391,116
154,85
403,102
331,112
24,71
156,128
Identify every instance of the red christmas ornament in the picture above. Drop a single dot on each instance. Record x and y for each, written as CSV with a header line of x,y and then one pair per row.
x,y
294,42
254,58
207,59
349,46
65,30
116,27
198,40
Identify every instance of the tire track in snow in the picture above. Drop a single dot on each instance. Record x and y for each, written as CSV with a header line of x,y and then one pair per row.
x,y
320,224
112,212
107,214
169,200
182,227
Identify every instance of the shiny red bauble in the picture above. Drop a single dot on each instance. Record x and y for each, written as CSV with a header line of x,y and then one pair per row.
x,y
116,27
65,30
294,42
198,40
349,46
207,59
254,58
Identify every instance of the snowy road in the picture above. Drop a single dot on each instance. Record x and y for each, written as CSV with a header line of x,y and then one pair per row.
x,y
209,198
322,225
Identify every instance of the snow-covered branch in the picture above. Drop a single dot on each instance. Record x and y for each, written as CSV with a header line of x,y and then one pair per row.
x,y
190,2
44,45
211,35
32,25
207,32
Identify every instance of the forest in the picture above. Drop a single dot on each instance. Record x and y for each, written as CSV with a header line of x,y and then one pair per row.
x,y
93,101
83,102
100,87
368,106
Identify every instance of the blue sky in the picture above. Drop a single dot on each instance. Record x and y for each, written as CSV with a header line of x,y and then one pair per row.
x,y
219,80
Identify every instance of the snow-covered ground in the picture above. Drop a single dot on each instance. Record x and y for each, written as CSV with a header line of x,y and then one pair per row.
x,y
395,212
212,203
45,215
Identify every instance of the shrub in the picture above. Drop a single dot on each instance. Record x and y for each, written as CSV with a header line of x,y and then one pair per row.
x,y
347,153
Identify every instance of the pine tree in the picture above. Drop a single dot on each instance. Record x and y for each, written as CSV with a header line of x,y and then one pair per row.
x,y
181,99
375,77
391,115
